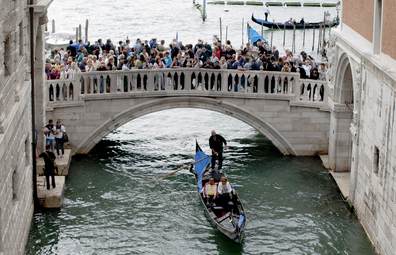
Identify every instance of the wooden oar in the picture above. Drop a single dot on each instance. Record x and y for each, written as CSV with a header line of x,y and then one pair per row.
x,y
179,169
273,21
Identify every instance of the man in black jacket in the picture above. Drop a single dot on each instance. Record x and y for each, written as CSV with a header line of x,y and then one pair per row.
x,y
216,144
49,159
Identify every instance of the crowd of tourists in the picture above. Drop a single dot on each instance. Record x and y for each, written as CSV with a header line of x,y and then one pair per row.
x,y
85,57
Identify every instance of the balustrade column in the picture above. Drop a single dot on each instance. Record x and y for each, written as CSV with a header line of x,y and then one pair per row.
x,y
260,82
150,80
113,82
187,79
77,87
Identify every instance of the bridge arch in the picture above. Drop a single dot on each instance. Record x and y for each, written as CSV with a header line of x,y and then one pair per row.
x,y
156,105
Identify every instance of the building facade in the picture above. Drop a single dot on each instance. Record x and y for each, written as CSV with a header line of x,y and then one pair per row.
x,y
16,186
362,102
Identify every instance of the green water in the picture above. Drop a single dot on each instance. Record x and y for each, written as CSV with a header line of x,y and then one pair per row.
x,y
292,204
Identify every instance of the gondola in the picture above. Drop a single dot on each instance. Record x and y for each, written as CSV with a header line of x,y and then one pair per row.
x,y
229,217
289,26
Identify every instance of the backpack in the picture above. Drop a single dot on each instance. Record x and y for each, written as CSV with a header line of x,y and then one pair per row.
x,y
314,74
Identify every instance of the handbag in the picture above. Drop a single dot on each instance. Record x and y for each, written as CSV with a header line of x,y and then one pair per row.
x,y
53,162
65,138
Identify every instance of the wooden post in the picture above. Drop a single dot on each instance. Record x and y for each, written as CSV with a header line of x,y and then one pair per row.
x,y
284,34
272,35
243,22
294,39
262,29
319,38
226,34
221,31
86,30
313,38
204,10
79,32
304,35
248,32
53,26
76,41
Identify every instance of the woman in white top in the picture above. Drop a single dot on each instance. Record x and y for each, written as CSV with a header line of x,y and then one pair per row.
x,y
73,70
60,130
224,186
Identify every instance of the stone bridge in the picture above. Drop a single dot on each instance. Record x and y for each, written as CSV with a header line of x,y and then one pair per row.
x,y
293,113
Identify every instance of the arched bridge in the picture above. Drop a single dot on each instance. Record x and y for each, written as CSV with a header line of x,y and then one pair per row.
x,y
290,111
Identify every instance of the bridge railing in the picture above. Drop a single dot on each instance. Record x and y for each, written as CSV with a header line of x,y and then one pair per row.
x,y
202,81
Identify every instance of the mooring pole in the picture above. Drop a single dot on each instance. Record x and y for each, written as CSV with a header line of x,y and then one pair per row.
x,y
53,26
284,34
272,35
79,32
221,31
313,38
204,10
226,35
76,41
294,39
304,35
86,30
243,22
262,29
319,38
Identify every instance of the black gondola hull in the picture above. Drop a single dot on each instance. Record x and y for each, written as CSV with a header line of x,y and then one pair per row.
x,y
288,26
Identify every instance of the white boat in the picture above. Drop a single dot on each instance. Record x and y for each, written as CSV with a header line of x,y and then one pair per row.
x,y
58,40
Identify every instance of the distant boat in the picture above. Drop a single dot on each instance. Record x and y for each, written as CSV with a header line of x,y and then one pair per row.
x,y
58,40
229,218
289,26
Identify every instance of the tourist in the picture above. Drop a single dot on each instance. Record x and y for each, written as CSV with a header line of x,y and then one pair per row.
x,y
289,55
49,159
275,52
89,67
167,59
175,63
83,64
223,64
62,72
80,56
210,190
302,21
161,47
307,67
73,70
48,71
60,130
49,132
102,66
110,65
197,63
214,58
216,145
83,49
54,74
208,64
72,49
224,192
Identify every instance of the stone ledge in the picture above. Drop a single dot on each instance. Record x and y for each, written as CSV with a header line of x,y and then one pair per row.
x,y
52,198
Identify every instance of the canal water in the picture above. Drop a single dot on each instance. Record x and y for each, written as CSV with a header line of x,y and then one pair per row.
x,y
292,205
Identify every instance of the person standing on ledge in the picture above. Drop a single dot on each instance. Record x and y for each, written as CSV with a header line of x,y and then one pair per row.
x,y
266,11
216,144
49,159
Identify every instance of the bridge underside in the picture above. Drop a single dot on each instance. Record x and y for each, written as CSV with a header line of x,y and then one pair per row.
x,y
294,130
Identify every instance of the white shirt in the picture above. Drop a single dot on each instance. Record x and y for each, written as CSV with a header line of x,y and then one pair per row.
x,y
51,134
60,131
266,9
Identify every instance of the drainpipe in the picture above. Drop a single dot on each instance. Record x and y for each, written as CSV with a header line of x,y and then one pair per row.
x,y
31,12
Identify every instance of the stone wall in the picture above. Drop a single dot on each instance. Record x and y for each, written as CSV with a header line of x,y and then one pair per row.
x,y
372,132
16,185
16,198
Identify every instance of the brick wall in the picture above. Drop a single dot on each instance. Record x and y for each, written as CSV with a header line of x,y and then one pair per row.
x,y
359,15
388,44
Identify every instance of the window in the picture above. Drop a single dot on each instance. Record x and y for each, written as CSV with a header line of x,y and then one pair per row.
x,y
21,44
376,160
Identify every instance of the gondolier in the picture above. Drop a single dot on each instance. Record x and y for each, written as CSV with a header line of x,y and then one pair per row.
x,y
216,145
266,11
